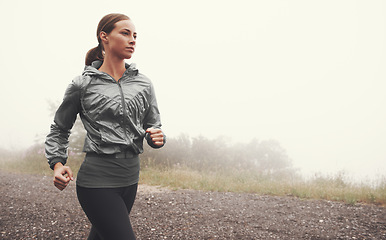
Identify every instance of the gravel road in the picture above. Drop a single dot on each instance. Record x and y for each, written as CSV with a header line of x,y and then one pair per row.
x,y
32,208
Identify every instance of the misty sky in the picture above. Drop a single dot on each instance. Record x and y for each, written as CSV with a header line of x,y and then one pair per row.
x,y
309,74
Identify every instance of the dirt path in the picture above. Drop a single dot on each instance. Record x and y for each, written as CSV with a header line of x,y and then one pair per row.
x,y
31,208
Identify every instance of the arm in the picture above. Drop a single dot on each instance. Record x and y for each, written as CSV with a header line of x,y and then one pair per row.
x,y
57,140
154,135
56,143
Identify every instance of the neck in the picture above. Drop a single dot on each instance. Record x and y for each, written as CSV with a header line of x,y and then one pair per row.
x,y
113,66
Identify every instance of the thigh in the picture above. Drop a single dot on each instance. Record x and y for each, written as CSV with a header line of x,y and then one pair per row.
x,y
128,195
107,211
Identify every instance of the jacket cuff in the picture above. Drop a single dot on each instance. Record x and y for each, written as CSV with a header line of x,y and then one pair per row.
x,y
55,161
150,142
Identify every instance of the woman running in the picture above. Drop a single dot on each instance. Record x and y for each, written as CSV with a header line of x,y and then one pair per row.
x,y
118,108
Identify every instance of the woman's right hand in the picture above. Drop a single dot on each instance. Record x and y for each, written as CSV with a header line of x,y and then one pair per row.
x,y
62,176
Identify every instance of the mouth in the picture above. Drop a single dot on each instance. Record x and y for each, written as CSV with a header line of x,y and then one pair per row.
x,y
130,49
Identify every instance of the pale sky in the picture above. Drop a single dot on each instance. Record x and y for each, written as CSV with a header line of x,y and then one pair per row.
x,y
309,74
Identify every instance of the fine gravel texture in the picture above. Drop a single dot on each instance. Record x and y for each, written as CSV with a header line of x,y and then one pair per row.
x,y
32,208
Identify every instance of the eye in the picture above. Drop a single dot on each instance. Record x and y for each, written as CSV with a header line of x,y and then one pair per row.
x,y
125,33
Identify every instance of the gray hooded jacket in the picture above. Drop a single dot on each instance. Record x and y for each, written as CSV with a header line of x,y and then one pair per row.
x,y
115,114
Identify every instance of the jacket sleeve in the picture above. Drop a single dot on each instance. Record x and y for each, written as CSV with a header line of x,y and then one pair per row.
x,y
152,118
56,143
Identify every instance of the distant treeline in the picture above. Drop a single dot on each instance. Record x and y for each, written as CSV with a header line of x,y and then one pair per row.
x,y
203,154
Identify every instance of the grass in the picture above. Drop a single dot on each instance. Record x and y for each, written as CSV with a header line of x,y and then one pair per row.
x,y
333,188
326,188
31,162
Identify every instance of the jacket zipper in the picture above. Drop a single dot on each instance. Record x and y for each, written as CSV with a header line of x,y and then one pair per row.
x,y
124,111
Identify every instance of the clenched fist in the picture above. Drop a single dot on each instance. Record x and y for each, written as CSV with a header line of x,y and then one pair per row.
x,y
156,135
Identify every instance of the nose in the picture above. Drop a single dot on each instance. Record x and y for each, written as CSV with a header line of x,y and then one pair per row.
x,y
132,40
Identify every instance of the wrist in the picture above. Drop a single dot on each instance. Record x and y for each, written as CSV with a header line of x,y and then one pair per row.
x,y
54,161
58,165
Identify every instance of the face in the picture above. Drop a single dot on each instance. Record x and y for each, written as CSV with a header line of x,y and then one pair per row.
x,y
121,41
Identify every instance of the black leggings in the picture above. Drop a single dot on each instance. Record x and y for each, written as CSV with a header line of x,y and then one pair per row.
x,y
108,211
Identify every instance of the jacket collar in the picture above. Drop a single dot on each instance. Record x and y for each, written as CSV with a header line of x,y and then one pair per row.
x,y
92,70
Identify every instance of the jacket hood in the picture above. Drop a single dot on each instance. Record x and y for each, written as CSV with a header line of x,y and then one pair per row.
x,y
92,70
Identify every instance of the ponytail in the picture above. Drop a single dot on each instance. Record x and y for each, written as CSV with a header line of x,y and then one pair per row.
x,y
94,54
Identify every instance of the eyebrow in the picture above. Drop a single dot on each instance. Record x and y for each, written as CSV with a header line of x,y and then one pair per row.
x,y
129,30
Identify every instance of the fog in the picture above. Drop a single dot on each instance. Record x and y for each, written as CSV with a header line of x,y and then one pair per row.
x,y
309,74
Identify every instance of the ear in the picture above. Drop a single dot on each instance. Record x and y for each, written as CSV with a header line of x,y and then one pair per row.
x,y
103,36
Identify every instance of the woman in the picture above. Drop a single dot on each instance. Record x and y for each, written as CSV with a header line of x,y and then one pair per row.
x,y
118,108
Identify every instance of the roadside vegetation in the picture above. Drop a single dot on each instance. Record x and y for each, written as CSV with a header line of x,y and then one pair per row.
x,y
260,167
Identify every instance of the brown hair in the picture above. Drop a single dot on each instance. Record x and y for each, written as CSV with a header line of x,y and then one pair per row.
x,y
106,24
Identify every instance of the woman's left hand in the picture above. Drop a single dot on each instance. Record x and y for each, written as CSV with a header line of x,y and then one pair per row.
x,y
156,135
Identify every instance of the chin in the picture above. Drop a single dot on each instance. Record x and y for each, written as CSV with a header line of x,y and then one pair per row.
x,y
128,56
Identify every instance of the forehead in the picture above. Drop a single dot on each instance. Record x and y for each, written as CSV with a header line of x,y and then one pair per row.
x,y
125,24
